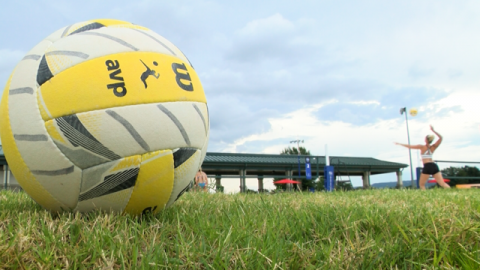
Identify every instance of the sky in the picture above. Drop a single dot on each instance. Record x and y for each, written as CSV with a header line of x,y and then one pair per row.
x,y
327,72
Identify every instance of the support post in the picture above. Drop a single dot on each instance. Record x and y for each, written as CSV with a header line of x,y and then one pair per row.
x,y
299,185
399,179
5,170
366,179
218,180
245,180
289,176
218,183
260,183
243,187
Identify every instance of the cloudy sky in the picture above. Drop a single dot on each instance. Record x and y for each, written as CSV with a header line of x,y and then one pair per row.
x,y
327,72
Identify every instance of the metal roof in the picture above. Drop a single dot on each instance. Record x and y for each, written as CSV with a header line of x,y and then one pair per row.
x,y
213,157
230,163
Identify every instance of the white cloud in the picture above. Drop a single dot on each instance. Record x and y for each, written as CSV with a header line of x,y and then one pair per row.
x,y
365,102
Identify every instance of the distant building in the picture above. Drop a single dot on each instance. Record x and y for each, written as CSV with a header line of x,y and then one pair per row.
x,y
242,165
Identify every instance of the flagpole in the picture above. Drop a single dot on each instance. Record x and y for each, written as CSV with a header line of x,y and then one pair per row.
x,y
404,110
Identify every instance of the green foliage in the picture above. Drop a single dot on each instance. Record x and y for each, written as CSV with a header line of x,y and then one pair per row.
x,y
294,151
320,184
366,229
464,171
343,186
339,186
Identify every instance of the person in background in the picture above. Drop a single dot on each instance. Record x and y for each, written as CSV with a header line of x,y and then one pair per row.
x,y
429,167
201,180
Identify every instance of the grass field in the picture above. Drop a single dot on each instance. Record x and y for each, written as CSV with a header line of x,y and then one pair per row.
x,y
367,229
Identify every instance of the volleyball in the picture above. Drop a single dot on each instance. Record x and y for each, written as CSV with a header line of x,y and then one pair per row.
x,y
104,115
413,112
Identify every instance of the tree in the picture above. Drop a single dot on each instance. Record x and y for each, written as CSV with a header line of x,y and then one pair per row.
x,y
345,186
320,184
306,184
464,171
294,151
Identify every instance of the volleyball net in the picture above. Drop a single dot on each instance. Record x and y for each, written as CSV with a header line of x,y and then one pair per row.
x,y
464,174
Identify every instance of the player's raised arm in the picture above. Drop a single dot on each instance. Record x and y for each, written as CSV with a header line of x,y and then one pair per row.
x,y
439,141
410,146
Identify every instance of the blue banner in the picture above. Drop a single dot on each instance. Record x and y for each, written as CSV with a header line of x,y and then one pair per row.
x,y
419,172
308,170
329,178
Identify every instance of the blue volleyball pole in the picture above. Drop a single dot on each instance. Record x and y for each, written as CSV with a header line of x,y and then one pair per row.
x,y
328,173
419,173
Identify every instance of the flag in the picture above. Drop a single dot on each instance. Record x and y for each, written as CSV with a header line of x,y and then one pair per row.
x,y
308,169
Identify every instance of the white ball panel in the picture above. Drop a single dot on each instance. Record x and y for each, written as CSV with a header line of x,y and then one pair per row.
x,y
203,152
62,184
137,129
173,50
114,202
183,175
105,41
101,186
35,55
111,133
191,121
56,35
55,173
28,127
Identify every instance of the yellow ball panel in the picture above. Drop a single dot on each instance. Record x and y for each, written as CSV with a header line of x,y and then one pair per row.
x,y
126,163
53,132
117,23
110,22
120,80
154,183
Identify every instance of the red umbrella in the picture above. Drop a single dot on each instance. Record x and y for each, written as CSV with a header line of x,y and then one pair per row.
x,y
286,181
434,181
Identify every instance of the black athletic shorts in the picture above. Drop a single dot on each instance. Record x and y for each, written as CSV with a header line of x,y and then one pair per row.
x,y
430,168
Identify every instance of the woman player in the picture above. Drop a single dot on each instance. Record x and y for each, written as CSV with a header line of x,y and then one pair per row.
x,y
429,167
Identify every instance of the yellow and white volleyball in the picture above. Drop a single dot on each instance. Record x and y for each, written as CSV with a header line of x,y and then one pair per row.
x,y
413,112
104,115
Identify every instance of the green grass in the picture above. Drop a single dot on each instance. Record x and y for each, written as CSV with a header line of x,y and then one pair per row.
x,y
368,229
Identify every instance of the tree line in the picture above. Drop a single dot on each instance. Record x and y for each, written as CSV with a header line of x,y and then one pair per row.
x,y
464,172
